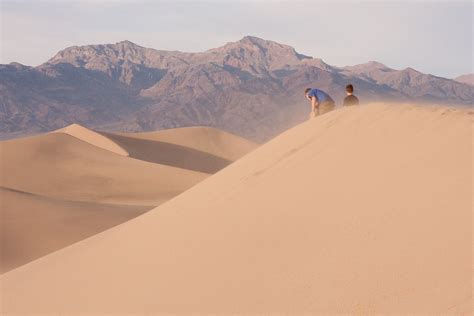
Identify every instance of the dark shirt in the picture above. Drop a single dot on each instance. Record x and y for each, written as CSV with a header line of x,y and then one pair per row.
x,y
351,100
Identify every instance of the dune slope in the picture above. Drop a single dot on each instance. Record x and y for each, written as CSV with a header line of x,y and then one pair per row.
x,y
60,166
363,210
170,154
33,226
205,139
93,138
59,188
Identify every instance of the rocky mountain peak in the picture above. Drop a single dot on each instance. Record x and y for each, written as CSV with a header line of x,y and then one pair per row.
x,y
82,55
256,44
411,71
375,64
371,68
127,43
256,55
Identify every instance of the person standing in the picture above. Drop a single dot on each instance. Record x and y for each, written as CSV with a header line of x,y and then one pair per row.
x,y
350,99
321,102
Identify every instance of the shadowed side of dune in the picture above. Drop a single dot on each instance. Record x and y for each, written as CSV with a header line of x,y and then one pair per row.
x,y
205,139
170,154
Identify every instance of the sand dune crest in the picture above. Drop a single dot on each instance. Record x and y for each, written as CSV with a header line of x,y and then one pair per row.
x,y
93,138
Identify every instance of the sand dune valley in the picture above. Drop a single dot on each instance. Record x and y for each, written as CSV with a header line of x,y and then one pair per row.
x,y
363,211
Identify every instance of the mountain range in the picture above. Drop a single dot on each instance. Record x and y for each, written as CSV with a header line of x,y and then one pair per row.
x,y
252,87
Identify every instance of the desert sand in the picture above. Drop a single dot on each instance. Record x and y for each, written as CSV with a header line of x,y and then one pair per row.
x,y
33,225
62,187
205,139
365,210
94,138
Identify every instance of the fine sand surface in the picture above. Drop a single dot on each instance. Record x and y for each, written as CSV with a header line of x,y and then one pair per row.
x,y
63,167
33,226
94,138
365,210
62,187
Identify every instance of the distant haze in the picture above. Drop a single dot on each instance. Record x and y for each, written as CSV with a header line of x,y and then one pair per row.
x,y
431,37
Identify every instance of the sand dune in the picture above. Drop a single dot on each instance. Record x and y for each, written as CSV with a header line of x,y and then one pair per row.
x,y
62,187
33,226
63,167
93,138
364,210
205,139
82,165
170,154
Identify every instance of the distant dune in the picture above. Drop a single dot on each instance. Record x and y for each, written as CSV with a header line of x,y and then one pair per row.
x,y
365,210
62,187
205,139
82,165
93,138
63,167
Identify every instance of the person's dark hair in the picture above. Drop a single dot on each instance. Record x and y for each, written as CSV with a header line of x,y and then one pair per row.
x,y
350,88
307,90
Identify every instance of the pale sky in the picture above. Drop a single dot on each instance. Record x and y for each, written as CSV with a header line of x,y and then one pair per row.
x,y
432,37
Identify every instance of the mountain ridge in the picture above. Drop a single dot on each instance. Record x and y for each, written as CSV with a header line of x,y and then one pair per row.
x,y
251,87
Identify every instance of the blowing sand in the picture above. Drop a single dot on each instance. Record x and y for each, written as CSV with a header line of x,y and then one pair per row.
x,y
62,187
364,210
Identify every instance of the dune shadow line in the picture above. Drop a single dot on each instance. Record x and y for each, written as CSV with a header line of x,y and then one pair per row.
x,y
170,154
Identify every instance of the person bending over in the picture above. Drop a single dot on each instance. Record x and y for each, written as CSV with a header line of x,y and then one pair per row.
x,y
321,102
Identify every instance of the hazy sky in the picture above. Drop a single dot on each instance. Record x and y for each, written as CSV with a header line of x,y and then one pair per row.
x,y
433,37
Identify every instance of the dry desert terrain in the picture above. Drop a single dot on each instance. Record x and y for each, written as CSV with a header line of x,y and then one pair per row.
x,y
365,210
62,187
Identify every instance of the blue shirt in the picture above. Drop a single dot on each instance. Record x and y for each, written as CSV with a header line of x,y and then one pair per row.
x,y
320,95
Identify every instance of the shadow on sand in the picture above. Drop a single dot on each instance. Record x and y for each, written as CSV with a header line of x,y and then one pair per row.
x,y
170,154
